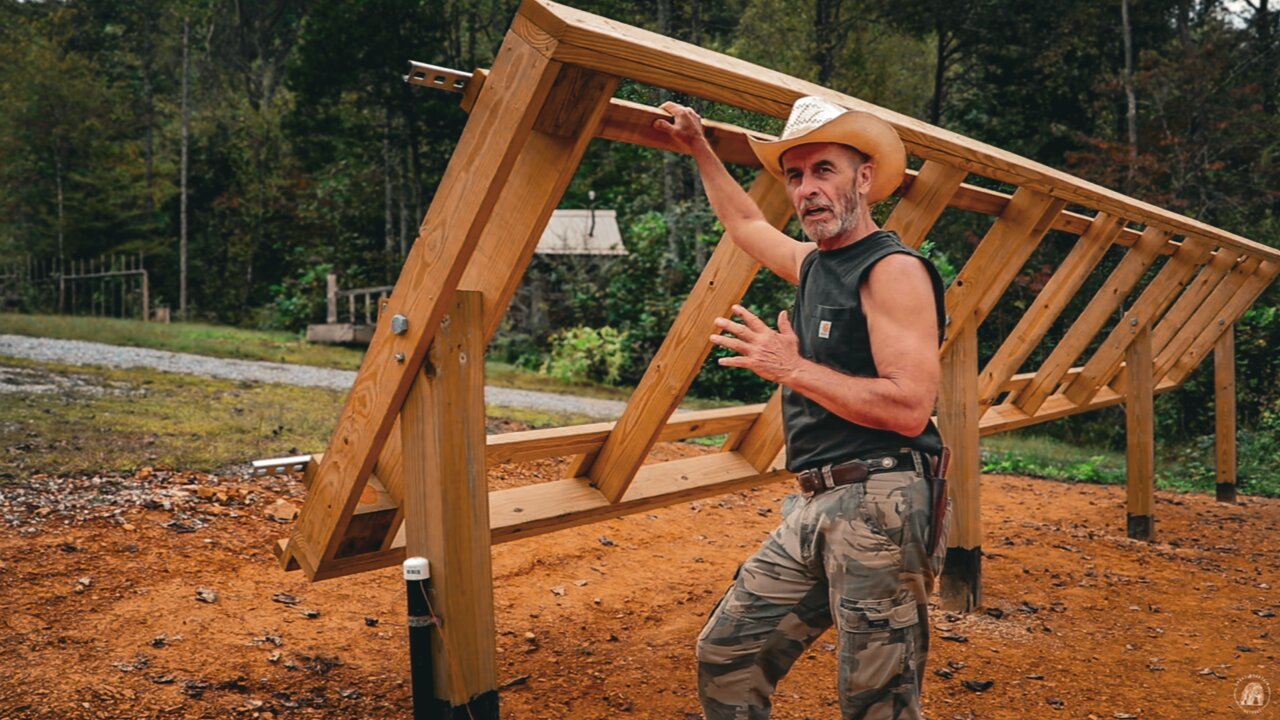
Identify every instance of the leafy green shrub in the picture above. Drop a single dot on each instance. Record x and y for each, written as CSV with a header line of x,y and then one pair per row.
x,y
583,353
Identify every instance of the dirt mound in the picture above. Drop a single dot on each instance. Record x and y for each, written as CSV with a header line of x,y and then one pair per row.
x,y
156,596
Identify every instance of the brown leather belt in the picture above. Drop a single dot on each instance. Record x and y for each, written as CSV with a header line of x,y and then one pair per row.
x,y
816,480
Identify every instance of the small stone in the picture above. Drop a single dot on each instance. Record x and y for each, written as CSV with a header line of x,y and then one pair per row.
x,y
606,541
309,613
282,511
557,590
285,598
978,686
206,595
371,621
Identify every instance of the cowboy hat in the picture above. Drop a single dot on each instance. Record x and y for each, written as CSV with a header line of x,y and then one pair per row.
x,y
816,120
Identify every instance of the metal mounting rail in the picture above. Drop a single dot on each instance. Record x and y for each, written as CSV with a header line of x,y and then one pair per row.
x,y
437,77
281,466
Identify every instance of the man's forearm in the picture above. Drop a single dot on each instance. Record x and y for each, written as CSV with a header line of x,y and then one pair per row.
x,y
873,402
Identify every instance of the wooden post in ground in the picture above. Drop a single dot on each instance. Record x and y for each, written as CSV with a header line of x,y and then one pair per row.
x,y
331,298
1224,407
958,417
1139,412
446,506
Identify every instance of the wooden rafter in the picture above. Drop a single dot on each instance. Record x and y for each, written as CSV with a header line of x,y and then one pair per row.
x,y
1117,287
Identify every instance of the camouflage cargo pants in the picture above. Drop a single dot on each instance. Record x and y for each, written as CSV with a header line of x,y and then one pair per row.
x,y
853,556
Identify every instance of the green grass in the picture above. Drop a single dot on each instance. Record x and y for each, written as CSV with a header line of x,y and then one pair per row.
x,y
1186,467
102,420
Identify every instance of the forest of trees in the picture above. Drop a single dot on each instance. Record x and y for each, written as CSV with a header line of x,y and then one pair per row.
x,y
308,153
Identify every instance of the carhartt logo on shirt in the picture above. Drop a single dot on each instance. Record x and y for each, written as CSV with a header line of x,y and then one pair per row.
x,y
824,329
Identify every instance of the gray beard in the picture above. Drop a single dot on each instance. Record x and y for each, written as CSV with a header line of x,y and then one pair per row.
x,y
845,221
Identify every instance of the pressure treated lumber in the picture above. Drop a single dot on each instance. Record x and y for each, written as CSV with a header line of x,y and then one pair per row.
x,y
1224,414
997,259
1140,425
1192,297
1226,317
1151,304
1116,288
765,438
468,193
602,44
958,420
674,367
446,501
923,201
1203,317
1049,304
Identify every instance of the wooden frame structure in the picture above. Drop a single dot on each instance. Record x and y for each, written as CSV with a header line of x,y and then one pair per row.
x,y
407,451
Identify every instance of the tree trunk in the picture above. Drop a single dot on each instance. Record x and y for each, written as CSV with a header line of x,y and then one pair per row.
x,y
57,178
388,231
186,141
1131,113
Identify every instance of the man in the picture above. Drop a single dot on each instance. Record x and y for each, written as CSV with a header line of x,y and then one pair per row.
x,y
857,359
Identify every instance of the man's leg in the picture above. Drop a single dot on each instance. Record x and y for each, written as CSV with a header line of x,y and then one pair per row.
x,y
777,606
880,578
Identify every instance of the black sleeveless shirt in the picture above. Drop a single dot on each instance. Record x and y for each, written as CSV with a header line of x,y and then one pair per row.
x,y
832,328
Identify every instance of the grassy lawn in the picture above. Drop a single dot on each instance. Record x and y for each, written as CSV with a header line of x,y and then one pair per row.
x,y
85,420
1181,468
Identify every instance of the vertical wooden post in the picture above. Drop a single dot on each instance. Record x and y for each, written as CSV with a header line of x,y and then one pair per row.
x,y
146,298
1224,408
446,505
1139,413
958,417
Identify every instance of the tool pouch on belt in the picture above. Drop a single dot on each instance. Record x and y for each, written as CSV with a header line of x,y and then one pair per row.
x,y
938,492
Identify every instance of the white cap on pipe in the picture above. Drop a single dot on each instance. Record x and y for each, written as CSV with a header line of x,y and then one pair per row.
x,y
417,568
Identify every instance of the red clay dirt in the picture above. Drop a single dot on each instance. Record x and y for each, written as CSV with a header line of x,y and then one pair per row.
x,y
100,616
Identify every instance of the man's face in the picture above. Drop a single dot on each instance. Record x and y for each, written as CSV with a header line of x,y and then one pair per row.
x,y
825,181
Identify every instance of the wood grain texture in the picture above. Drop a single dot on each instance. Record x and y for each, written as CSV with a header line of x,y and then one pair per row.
x,y
765,438
1049,304
446,500
1201,320
1140,427
996,261
723,282
1091,320
610,46
923,201
1224,407
1139,318
476,175
959,423
1226,317
1192,297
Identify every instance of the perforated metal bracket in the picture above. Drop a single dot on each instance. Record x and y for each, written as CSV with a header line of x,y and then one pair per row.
x,y
281,466
437,77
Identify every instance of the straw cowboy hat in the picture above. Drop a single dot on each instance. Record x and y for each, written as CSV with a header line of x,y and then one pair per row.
x,y
815,120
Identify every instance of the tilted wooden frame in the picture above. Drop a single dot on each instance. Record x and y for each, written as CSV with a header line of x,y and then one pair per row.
x,y
532,116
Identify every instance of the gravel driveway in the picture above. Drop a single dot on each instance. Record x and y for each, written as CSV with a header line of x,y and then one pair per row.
x,y
78,352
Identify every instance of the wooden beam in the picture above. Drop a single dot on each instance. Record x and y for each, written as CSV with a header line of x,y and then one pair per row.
x,y
632,123
1224,319
556,442
1151,305
761,443
447,501
1224,414
1140,426
997,259
477,173
1048,305
723,282
646,57
1176,351
1113,292
961,586
1192,297
1007,416
923,201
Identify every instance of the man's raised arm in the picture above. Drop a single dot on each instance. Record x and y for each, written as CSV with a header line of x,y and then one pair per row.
x,y
737,212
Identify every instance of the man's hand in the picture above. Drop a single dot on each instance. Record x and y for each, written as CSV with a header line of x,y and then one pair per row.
x,y
772,355
684,127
